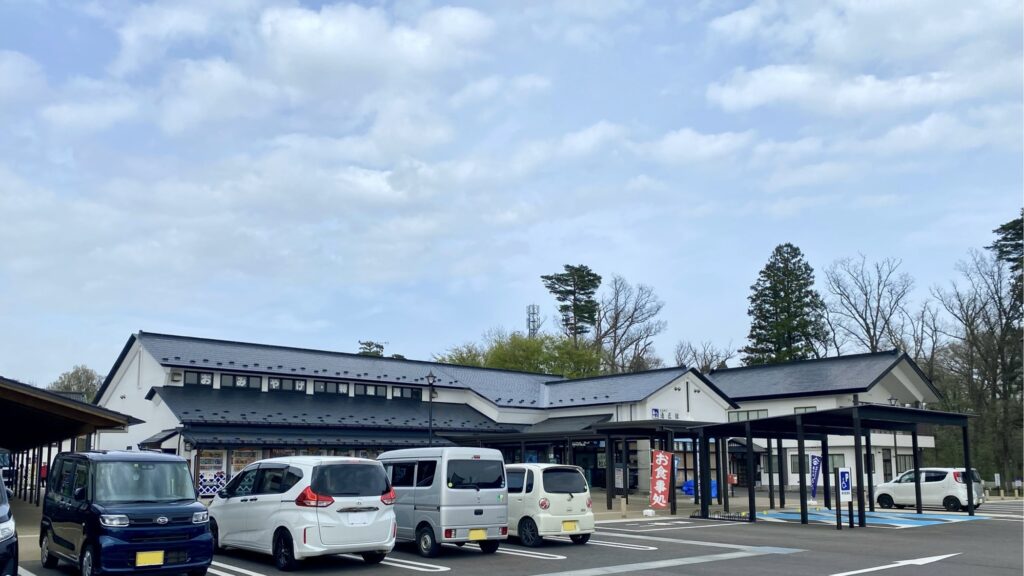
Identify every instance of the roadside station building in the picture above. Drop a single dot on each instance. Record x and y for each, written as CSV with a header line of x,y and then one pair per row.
x,y
223,404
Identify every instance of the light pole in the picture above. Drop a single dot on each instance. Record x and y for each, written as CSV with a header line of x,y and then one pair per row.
x,y
893,401
430,407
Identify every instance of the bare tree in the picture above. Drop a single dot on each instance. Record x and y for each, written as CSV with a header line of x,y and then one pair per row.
x,y
627,322
704,356
867,302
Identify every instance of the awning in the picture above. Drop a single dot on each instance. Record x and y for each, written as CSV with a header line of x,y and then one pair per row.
x,y
156,440
308,437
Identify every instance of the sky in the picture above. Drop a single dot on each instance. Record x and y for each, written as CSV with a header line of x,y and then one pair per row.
x,y
315,174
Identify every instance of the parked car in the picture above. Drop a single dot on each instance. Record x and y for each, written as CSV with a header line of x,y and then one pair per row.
x,y
548,500
449,495
8,536
304,506
7,470
124,512
944,487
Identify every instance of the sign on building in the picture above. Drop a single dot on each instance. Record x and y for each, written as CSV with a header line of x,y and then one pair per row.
x,y
661,468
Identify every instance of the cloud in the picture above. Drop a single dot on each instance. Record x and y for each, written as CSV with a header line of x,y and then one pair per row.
x,y
21,80
687,146
591,139
496,87
942,131
85,105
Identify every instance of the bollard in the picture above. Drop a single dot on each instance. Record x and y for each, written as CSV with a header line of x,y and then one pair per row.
x,y
622,506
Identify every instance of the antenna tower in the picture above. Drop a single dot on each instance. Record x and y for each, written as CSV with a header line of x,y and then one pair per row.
x,y
532,320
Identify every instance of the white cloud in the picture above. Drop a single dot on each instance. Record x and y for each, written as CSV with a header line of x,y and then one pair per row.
x,y
508,90
87,105
942,131
21,79
591,139
687,146
808,175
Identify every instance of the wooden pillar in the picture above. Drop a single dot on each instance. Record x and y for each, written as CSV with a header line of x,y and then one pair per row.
x,y
802,467
869,465
782,472
917,470
771,480
625,469
719,462
968,471
670,442
39,472
705,475
609,474
697,444
858,461
827,472
751,504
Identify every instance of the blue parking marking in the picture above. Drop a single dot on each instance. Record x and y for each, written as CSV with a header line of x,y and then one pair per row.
x,y
887,519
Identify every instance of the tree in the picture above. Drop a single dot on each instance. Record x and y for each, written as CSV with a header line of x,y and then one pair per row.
x,y
574,289
544,353
786,312
371,348
626,326
867,303
704,356
81,378
469,354
1009,244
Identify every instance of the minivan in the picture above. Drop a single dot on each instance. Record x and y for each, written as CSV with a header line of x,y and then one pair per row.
x,y
124,512
449,495
298,507
548,500
8,536
946,487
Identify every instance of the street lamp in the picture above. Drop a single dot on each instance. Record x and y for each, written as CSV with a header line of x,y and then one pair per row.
x,y
893,400
430,407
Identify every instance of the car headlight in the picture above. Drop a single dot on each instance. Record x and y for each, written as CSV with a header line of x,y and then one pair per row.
x,y
114,520
6,530
201,517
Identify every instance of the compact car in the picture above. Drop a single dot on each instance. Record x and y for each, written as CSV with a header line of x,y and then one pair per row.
x,y
549,500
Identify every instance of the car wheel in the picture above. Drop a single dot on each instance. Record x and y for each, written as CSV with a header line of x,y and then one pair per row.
x,y
951,503
45,558
528,533
215,534
373,557
426,543
580,538
284,552
489,546
885,501
89,565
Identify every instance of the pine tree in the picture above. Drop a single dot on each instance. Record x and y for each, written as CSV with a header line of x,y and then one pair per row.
x,y
786,312
574,289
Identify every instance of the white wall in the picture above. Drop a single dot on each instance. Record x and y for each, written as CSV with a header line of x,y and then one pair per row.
x,y
127,395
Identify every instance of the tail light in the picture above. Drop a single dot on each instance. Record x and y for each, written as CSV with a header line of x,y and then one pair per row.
x,y
449,533
310,499
958,477
503,530
544,504
388,498
590,503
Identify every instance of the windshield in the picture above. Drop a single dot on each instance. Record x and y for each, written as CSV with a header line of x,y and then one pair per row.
x,y
5,459
127,482
476,474
350,480
564,481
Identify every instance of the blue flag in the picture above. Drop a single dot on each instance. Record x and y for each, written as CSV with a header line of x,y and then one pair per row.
x,y
815,472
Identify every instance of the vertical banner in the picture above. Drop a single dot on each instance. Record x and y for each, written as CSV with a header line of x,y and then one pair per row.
x,y
661,463
815,472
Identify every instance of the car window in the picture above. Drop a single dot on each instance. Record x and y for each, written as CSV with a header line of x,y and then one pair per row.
x,y
141,481
516,480
564,481
270,480
934,476
350,480
67,479
476,474
402,474
291,478
53,487
529,481
907,478
425,470
244,483
81,476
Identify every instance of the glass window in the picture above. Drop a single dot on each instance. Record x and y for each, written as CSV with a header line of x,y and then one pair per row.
x,y
794,464
350,480
836,461
402,474
516,480
907,478
286,384
269,480
125,482
240,381
934,476
198,378
904,462
564,481
744,415
425,470
67,478
804,409
529,481
327,387
475,474
371,390
81,476
406,392
243,484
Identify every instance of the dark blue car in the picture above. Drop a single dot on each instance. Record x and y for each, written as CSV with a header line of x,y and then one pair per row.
x,y
8,538
124,512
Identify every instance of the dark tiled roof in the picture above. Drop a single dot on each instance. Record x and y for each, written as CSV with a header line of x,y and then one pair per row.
x,y
270,436
200,405
807,377
159,438
610,389
567,424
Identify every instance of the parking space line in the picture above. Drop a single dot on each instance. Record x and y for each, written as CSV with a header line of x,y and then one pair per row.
x,y
24,572
605,529
235,568
526,553
407,564
657,564
759,549
605,543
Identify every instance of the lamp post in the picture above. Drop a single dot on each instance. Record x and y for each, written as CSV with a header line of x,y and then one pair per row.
x,y
430,407
893,401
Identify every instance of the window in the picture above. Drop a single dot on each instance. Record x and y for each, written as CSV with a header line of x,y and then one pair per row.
x,y
402,474
406,392
371,390
907,478
243,484
425,470
198,378
743,415
794,464
277,480
350,480
776,464
836,461
67,478
326,387
239,381
564,481
476,474
122,482
529,481
286,384
934,476
516,480
804,409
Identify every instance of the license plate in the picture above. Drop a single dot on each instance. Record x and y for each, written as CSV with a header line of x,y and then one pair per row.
x,y
569,526
358,518
149,558
478,534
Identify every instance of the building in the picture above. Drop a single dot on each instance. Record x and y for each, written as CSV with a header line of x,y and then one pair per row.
x,y
223,404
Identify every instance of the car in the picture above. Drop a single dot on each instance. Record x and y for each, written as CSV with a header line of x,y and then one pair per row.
x,y
300,507
548,500
124,512
7,470
8,536
452,495
944,487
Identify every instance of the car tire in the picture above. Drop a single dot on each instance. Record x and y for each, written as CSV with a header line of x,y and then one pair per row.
x,y
215,534
580,538
885,501
951,504
489,546
89,563
284,552
45,558
374,557
529,535
426,543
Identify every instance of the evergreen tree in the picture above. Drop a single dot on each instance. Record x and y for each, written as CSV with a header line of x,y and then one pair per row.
x,y
574,289
786,312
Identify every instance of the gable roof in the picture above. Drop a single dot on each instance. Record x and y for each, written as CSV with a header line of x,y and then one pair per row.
x,y
834,375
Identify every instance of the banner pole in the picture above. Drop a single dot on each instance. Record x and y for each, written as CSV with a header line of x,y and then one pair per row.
x,y
839,507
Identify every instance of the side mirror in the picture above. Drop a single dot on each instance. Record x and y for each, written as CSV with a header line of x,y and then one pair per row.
x,y
10,493
222,494
79,494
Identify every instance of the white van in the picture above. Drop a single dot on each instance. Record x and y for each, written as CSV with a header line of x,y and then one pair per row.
x,y
549,500
449,495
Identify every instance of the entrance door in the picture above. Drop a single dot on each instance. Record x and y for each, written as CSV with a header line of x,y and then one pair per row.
x,y
887,464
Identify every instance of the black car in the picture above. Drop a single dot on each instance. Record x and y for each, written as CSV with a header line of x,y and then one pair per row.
x,y
124,512
8,538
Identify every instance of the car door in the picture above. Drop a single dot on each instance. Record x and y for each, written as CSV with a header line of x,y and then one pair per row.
x,y
516,479
903,492
933,487
232,519
402,475
58,504
79,506
265,502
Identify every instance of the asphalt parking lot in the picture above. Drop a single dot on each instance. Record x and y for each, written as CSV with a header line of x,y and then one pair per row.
x,y
988,546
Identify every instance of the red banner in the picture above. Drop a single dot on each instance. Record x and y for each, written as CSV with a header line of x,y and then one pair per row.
x,y
661,467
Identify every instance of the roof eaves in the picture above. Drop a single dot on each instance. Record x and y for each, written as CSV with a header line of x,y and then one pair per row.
x,y
113,371
707,382
806,361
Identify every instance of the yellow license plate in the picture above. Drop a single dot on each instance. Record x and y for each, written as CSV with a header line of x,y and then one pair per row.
x,y
149,558
568,526
478,534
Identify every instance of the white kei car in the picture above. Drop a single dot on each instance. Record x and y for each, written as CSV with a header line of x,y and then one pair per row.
x,y
548,500
941,487
304,506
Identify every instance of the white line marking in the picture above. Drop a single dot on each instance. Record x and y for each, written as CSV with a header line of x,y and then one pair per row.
x,y
914,562
759,549
630,568
527,553
235,568
407,564
605,543
639,531
24,572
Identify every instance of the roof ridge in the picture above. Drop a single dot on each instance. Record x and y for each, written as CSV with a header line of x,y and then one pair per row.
x,y
618,375
890,352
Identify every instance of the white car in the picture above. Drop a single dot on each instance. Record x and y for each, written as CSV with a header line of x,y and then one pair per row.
x,y
941,487
304,506
548,500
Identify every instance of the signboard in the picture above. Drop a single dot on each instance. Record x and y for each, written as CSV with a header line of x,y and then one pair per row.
x,y
815,472
618,477
845,486
242,458
212,476
661,463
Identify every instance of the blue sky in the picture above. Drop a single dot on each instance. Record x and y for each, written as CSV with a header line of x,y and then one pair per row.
x,y
313,174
